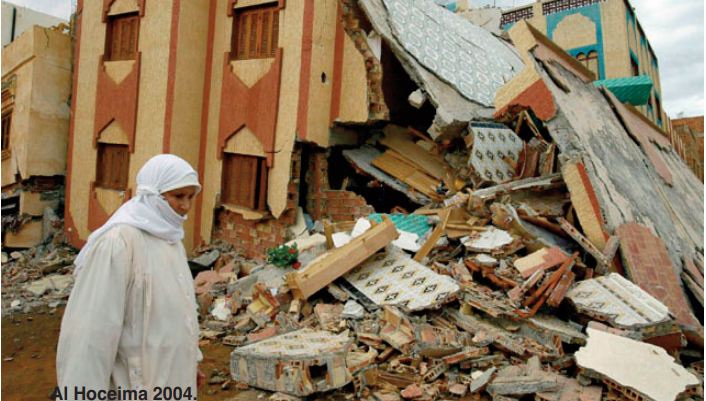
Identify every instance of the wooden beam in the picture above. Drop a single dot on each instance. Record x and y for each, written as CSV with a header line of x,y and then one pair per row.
x,y
337,262
434,237
603,263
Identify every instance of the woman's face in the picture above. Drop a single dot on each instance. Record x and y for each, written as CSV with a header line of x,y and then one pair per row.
x,y
180,199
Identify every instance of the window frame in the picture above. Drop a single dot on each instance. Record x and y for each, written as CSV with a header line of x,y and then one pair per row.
x,y
251,48
112,24
109,176
251,194
6,115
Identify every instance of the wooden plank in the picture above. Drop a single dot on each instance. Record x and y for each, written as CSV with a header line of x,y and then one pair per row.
x,y
395,165
328,232
434,237
337,262
400,141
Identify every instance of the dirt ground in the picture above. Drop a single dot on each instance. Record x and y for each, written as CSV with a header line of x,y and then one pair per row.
x,y
29,355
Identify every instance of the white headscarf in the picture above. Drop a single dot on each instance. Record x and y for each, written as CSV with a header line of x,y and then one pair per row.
x,y
148,210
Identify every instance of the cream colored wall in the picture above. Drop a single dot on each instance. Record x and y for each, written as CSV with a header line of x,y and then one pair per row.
x,y
290,33
354,84
154,39
574,31
84,156
615,37
538,21
154,47
188,90
40,62
321,78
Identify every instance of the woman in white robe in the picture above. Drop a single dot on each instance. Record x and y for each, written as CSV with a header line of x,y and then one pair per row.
x,y
131,321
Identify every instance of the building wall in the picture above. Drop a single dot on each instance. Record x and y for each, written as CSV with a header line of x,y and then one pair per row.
x,y
688,140
166,115
319,63
37,71
24,19
608,27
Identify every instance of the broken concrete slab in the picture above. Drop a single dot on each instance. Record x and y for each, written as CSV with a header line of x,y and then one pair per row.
x,y
626,185
396,329
637,368
492,239
526,379
337,262
393,278
618,301
571,390
458,94
57,282
297,363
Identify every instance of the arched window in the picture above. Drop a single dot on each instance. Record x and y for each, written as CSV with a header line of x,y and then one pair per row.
x,y
592,61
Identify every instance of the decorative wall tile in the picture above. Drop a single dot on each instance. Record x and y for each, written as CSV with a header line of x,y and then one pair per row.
x,y
491,143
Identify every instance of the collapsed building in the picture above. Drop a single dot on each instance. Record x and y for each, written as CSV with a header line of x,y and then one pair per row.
x,y
36,88
508,196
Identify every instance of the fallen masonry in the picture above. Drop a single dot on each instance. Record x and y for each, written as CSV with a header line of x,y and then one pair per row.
x,y
518,235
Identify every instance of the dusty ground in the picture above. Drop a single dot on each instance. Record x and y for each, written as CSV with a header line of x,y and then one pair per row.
x,y
29,353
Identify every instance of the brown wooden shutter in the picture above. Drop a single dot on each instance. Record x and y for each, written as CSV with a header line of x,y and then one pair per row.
x,y
244,181
112,168
255,32
6,123
121,37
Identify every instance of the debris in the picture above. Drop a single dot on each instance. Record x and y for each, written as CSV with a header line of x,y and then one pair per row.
x,y
309,361
644,369
337,262
352,310
487,241
524,379
617,301
541,260
393,278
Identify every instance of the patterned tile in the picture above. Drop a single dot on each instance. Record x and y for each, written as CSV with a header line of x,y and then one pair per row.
x,y
300,343
466,56
492,143
393,278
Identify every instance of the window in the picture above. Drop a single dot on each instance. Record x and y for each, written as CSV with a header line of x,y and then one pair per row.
x,y
255,32
244,181
6,123
658,109
634,68
112,168
589,61
121,37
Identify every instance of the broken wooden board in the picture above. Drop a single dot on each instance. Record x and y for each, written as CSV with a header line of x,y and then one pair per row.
x,y
643,368
434,237
393,278
394,164
398,139
337,262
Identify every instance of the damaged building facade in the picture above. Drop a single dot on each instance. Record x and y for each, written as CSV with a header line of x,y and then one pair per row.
x,y
607,38
36,88
238,89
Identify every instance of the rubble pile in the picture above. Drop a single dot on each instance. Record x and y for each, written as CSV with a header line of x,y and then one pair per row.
x,y
38,276
542,252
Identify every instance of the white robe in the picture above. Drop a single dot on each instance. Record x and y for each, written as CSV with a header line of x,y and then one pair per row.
x,y
131,320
